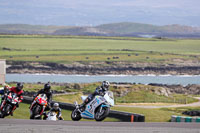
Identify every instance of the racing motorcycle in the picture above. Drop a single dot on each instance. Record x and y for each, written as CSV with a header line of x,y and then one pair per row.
x,y
9,104
38,106
97,109
52,116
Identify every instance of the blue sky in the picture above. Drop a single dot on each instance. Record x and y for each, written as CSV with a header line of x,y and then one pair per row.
x,y
91,12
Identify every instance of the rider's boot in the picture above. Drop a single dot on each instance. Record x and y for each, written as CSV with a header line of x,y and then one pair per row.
x,y
44,115
11,113
82,106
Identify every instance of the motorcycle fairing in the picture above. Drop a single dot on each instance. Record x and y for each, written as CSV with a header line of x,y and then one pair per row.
x,y
90,107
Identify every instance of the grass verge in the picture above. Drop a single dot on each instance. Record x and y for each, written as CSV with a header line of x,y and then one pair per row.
x,y
23,113
151,115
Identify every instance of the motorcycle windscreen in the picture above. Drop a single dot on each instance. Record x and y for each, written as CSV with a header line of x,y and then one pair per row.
x,y
109,98
51,116
83,98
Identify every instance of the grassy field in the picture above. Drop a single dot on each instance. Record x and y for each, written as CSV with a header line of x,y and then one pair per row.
x,y
149,97
156,115
136,93
23,113
134,97
151,115
65,49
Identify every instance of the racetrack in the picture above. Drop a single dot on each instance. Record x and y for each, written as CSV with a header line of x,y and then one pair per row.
x,y
39,126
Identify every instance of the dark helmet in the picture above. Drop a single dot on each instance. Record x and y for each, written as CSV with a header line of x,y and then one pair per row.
x,y
47,87
105,85
19,86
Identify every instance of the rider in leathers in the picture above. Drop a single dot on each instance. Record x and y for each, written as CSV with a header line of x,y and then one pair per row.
x,y
55,109
100,90
47,91
17,90
3,91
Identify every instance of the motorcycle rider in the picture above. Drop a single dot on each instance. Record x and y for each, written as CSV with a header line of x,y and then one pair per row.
x,y
17,90
100,90
55,109
4,90
46,90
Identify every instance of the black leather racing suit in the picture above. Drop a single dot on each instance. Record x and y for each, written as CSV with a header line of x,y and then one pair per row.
x,y
49,97
99,91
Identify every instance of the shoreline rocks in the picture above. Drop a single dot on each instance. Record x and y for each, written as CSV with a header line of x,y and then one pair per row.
x,y
99,69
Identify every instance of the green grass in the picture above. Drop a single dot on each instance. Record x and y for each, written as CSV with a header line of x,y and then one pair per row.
x,y
137,93
23,113
156,115
64,49
70,98
150,97
133,97
151,115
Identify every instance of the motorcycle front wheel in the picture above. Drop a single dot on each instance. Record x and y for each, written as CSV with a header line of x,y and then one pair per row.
x,y
76,116
36,112
101,113
8,110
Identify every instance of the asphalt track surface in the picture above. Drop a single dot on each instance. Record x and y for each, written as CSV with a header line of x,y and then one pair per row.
x,y
40,126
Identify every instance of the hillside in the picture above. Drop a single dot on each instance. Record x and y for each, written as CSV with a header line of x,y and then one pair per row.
x,y
113,29
127,28
29,29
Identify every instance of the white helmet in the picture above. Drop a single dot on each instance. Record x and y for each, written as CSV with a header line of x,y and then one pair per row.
x,y
56,106
105,85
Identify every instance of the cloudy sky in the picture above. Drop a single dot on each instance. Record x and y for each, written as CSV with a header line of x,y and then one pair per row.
x,y
95,12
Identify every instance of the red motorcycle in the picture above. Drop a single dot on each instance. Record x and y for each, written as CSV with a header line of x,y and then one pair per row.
x,y
38,106
9,104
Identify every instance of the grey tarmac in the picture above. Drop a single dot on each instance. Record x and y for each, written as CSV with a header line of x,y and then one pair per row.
x,y
41,126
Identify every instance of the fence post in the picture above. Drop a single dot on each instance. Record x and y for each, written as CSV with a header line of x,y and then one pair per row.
x,y
132,118
2,71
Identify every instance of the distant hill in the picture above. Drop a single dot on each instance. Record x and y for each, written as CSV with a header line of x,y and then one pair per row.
x,y
29,29
127,28
113,29
82,31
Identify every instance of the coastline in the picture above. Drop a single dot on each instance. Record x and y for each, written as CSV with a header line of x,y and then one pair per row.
x,y
108,71
123,79
101,68
106,75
